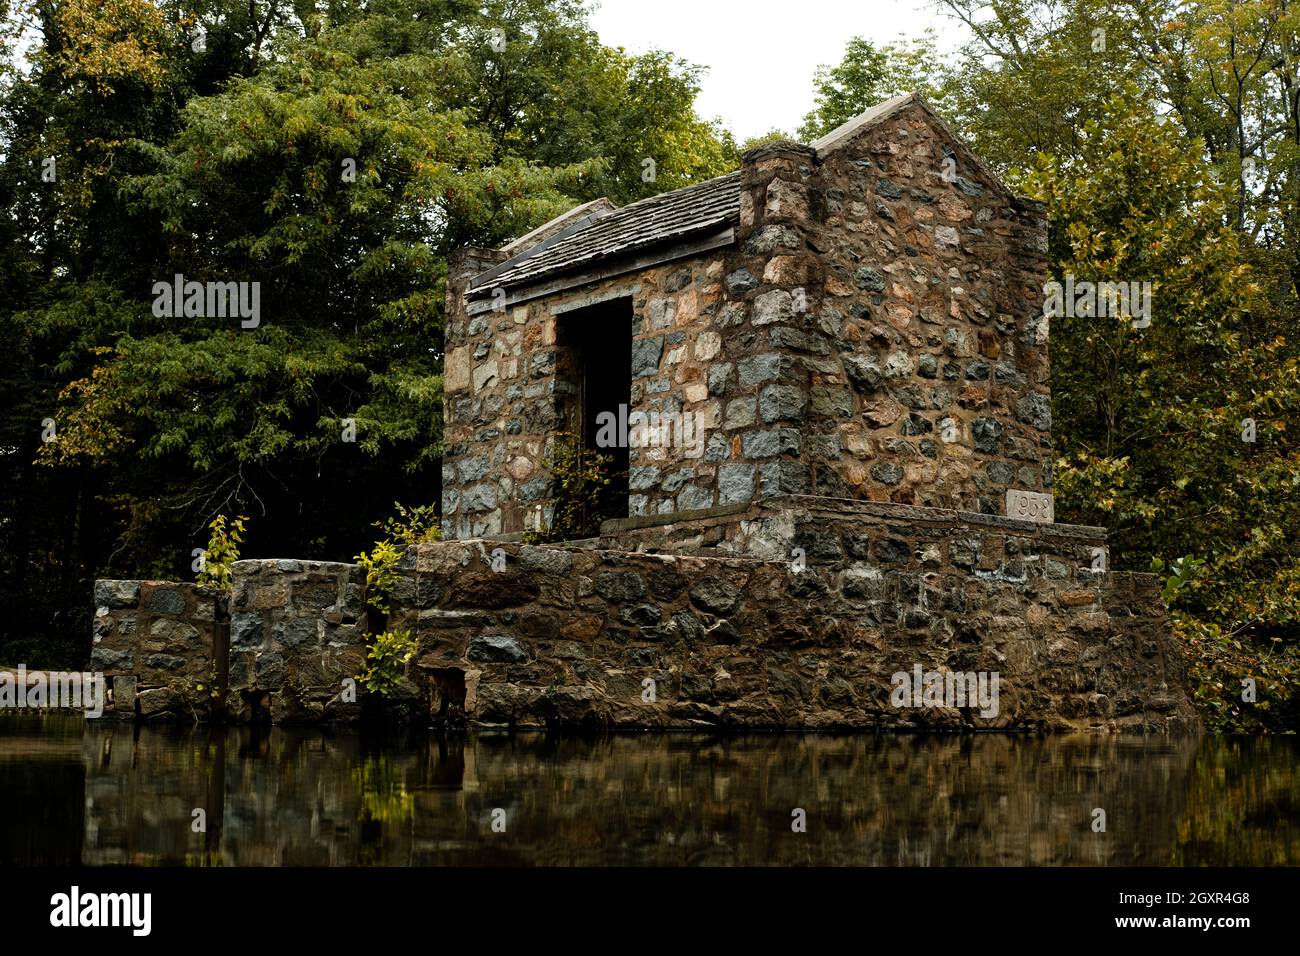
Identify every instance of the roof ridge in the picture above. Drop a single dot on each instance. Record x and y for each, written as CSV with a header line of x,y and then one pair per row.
x,y
864,120
680,189
675,214
573,214
846,131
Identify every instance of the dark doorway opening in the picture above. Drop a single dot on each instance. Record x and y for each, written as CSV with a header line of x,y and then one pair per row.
x,y
595,389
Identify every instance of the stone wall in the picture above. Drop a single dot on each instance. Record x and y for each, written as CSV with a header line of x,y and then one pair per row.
x,y
571,636
714,337
153,641
831,531
297,628
718,336
507,397
940,394
725,632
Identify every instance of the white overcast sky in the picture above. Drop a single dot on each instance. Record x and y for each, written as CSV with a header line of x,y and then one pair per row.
x,y
761,54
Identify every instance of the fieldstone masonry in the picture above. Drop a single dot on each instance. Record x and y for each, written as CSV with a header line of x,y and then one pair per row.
x,y
583,636
857,325
154,639
297,628
867,324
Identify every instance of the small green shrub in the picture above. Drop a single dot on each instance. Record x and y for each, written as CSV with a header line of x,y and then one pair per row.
x,y
389,654
210,688
583,485
381,572
411,525
417,524
222,551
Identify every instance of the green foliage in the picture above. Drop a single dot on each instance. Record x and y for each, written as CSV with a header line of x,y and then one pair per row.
x,y
583,480
1220,662
387,658
222,551
1183,573
411,525
771,136
868,75
211,688
234,162
380,565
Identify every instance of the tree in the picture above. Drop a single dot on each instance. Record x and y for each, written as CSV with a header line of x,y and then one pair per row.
x,y
332,156
868,75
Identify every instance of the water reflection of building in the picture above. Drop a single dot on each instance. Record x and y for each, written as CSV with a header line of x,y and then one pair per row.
x,y
288,797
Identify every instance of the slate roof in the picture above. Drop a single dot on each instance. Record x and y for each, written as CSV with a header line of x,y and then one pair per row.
x,y
668,217
590,211
591,233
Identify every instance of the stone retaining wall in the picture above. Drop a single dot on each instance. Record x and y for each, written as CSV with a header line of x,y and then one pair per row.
x,y
153,639
573,636
830,531
296,629
583,635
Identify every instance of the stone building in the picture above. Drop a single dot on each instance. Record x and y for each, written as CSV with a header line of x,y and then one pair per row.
x,y
846,343
858,318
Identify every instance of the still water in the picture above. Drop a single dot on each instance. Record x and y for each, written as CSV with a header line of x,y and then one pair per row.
x,y
101,793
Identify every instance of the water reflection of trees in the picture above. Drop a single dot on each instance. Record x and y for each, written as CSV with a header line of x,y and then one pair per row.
x,y
291,797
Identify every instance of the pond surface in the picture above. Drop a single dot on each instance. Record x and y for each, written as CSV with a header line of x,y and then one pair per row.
x,y
101,793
